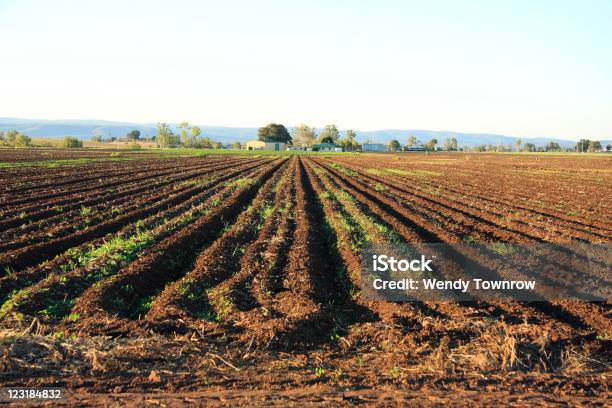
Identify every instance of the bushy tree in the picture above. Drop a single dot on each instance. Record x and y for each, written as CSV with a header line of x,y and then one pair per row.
x,y
583,145
349,142
326,139
350,135
184,126
96,138
431,144
552,147
304,136
451,145
71,142
22,140
412,141
10,137
133,135
189,134
274,132
165,136
529,147
594,146
329,132
237,145
393,146
195,135
204,143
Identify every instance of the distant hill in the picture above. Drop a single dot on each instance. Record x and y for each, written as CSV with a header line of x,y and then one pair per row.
x,y
464,139
85,129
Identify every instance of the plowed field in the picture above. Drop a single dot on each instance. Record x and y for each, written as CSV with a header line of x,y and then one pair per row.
x,y
213,279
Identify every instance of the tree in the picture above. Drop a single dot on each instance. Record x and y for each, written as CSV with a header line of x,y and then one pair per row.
x,y
594,146
204,143
447,146
184,126
583,145
10,137
350,134
133,135
552,147
22,140
1,136
237,145
329,132
304,136
393,146
273,132
529,147
349,143
71,142
195,135
326,139
451,145
189,134
164,135
517,144
97,138
412,141
431,144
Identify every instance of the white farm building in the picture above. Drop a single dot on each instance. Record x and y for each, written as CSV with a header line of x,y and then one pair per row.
x,y
259,145
373,147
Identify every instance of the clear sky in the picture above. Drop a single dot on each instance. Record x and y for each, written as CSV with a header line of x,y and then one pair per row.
x,y
521,68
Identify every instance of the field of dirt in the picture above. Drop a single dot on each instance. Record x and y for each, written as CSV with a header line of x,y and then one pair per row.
x,y
214,279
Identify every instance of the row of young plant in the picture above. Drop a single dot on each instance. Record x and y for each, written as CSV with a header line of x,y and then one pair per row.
x,y
90,264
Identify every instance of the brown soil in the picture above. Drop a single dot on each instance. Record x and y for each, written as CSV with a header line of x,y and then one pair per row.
x,y
248,281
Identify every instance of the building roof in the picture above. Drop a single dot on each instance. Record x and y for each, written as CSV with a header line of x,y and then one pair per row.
x,y
260,141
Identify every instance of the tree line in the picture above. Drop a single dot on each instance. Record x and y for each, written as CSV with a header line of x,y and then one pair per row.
x,y
13,138
303,136
413,143
582,146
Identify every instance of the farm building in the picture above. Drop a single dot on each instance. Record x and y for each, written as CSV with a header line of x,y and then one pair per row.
x,y
259,145
327,147
414,149
373,147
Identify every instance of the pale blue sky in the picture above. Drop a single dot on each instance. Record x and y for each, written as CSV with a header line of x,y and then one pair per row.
x,y
522,68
